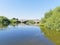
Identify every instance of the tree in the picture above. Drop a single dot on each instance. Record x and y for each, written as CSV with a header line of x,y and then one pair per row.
x,y
50,25
4,20
15,21
30,22
52,19
48,14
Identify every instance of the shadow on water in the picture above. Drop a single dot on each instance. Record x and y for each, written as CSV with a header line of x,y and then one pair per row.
x,y
53,35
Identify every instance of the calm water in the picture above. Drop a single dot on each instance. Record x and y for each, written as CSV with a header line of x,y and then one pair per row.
x,y
23,35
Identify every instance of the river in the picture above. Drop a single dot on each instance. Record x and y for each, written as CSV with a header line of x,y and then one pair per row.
x,y
23,35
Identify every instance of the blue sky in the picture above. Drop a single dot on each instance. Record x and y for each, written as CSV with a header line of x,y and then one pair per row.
x,y
26,9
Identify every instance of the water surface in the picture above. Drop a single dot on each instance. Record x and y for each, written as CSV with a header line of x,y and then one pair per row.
x,y
23,35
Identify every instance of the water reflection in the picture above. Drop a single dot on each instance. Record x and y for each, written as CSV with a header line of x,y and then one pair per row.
x,y
52,35
3,26
23,35
6,26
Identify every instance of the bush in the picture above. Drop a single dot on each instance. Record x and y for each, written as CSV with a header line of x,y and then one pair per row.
x,y
52,19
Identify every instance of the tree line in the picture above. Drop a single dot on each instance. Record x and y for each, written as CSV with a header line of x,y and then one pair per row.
x,y
14,21
51,20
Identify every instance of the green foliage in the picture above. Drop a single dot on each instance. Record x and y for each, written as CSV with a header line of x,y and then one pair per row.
x,y
15,21
4,21
48,14
50,25
30,22
52,19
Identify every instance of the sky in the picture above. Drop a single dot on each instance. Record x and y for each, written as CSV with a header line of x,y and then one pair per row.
x,y
26,9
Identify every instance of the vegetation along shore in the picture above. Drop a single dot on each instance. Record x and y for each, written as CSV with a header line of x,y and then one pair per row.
x,y
50,25
14,21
